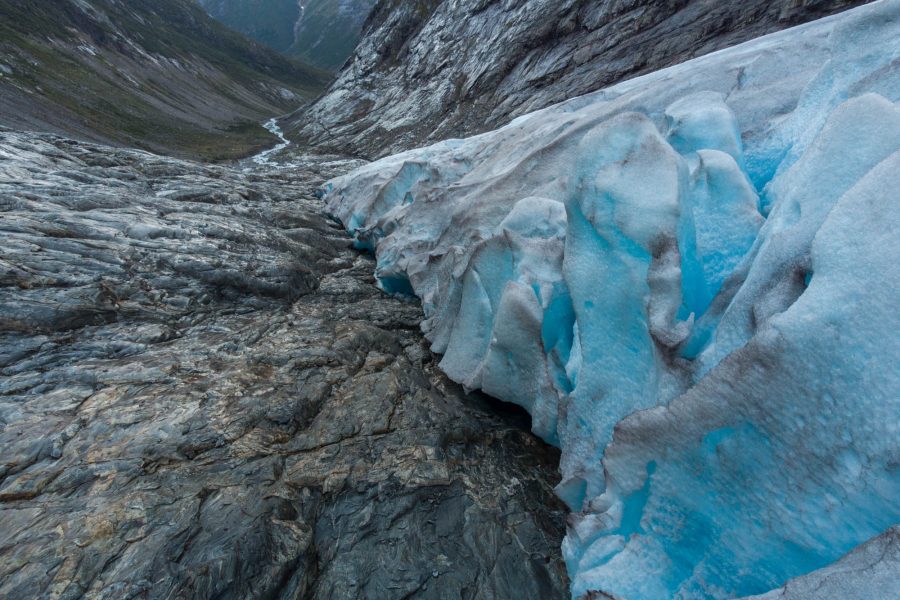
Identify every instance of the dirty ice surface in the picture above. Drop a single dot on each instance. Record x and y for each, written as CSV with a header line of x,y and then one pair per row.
x,y
691,281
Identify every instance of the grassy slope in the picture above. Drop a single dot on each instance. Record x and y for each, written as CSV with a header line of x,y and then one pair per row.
x,y
159,75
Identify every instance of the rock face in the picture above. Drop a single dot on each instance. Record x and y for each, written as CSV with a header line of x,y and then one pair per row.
x,y
202,395
434,69
159,75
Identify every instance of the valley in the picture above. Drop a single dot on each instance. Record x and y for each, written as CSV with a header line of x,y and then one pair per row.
x,y
161,76
449,299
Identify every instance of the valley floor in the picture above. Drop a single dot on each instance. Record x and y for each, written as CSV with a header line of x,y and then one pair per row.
x,y
203,395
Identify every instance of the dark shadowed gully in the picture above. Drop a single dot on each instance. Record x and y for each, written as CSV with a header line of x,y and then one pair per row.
x,y
202,395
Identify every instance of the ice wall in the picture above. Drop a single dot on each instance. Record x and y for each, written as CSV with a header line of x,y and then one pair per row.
x,y
688,279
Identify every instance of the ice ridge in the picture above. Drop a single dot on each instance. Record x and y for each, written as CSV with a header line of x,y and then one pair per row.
x,y
689,280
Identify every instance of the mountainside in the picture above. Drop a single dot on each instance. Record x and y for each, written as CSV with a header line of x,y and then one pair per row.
x,y
320,32
434,69
689,280
159,75
270,22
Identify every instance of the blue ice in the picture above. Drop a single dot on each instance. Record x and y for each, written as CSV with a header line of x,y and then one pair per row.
x,y
689,280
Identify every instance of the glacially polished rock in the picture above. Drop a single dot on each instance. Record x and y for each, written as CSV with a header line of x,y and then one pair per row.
x,y
202,395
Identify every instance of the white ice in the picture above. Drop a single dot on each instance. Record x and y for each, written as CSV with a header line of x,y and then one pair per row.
x,y
690,280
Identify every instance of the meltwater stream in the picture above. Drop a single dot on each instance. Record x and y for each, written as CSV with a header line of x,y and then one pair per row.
x,y
263,157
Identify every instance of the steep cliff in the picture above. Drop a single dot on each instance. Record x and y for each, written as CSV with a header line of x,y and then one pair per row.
x,y
434,69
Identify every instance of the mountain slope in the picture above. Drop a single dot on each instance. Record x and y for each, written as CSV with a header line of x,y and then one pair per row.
x,y
433,69
162,76
269,22
328,30
320,32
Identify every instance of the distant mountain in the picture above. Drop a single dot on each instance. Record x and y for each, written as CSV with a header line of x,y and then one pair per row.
x,y
320,32
270,22
160,75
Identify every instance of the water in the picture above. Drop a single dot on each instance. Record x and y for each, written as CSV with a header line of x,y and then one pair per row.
x,y
263,157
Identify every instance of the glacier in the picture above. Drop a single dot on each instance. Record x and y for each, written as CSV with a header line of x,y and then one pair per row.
x,y
689,280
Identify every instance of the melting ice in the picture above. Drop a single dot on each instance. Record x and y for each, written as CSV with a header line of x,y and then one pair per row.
x,y
690,280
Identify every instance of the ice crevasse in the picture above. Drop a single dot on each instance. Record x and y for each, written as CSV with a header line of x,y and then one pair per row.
x,y
691,281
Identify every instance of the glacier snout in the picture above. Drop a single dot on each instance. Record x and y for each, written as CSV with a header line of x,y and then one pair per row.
x,y
689,279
